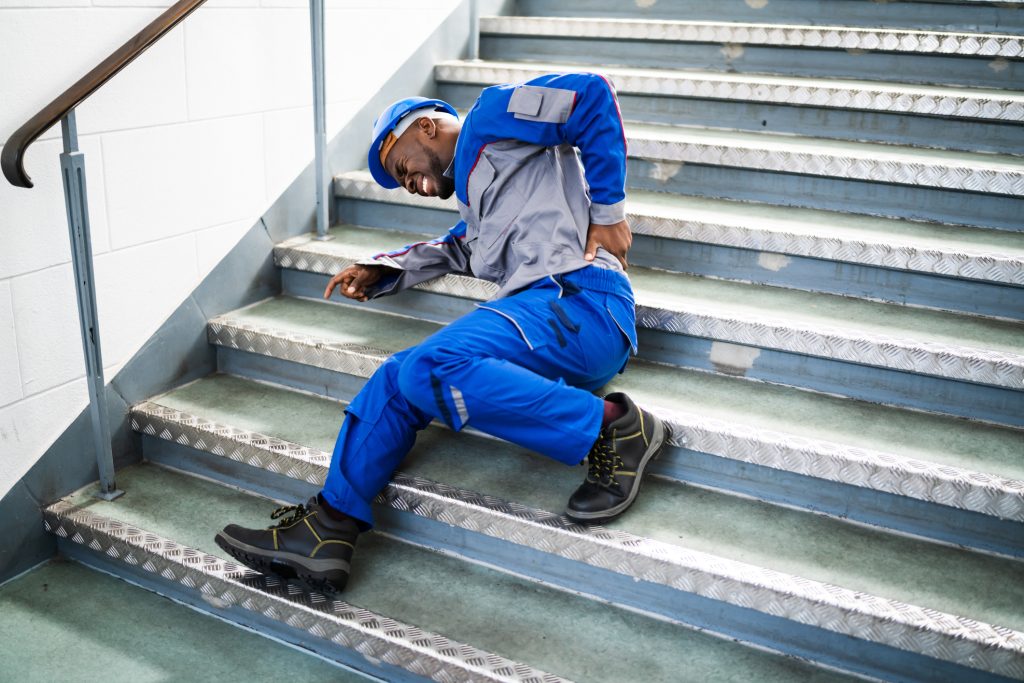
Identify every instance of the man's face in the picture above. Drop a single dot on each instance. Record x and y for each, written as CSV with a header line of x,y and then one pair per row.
x,y
419,158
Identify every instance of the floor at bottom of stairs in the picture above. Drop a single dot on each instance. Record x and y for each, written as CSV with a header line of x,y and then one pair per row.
x,y
66,622
554,630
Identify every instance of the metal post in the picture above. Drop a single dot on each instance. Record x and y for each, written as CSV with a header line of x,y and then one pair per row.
x,y
474,30
316,25
72,166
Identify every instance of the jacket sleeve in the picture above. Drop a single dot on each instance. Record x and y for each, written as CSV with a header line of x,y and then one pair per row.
x,y
580,109
421,261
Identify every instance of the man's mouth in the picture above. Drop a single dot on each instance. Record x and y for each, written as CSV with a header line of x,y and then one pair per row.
x,y
424,187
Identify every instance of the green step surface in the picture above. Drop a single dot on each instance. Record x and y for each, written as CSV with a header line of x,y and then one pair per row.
x,y
543,627
777,306
943,249
912,434
66,622
796,542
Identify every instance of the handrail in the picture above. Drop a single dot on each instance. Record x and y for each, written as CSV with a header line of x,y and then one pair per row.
x,y
12,159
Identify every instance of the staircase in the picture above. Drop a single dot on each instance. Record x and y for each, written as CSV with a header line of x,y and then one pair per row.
x,y
827,202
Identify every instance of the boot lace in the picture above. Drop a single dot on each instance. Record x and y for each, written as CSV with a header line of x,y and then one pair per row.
x,y
603,461
299,511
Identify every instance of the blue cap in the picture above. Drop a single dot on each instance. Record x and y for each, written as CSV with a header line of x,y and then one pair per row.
x,y
386,122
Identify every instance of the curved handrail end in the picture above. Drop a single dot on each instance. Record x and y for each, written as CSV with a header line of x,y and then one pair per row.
x,y
13,165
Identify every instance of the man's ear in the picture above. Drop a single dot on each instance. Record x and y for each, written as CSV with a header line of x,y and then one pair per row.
x,y
428,127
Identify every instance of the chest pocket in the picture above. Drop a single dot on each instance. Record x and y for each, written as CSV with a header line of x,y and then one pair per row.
x,y
538,103
495,203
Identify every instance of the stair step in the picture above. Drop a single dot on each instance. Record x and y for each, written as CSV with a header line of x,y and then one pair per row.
x,y
967,15
950,462
950,250
694,540
162,536
57,608
972,103
736,33
895,113
878,54
937,343
970,171
435,592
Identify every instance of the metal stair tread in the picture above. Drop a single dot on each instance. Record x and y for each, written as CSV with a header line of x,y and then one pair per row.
x,y
786,35
798,144
911,99
414,585
757,407
963,251
735,528
752,309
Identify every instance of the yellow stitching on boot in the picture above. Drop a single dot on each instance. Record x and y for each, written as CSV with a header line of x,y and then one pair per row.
x,y
315,534
328,541
631,436
275,539
642,431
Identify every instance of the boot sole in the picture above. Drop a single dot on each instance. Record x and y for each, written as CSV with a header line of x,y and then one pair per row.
x,y
652,452
326,576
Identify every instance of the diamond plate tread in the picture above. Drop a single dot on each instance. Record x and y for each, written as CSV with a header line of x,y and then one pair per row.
x,y
228,584
947,250
898,98
943,484
840,328
875,162
925,631
834,37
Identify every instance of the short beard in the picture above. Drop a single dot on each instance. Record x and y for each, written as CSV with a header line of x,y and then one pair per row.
x,y
445,185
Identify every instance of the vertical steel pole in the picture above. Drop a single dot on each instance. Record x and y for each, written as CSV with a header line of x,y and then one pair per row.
x,y
474,29
316,26
72,166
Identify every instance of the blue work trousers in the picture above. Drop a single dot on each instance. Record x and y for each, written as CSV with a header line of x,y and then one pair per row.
x,y
521,368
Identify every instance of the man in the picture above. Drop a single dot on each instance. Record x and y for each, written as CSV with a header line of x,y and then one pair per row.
x,y
522,366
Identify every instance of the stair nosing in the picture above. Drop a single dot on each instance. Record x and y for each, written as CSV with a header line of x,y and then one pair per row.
x,y
839,93
770,35
981,265
949,361
856,466
228,583
834,608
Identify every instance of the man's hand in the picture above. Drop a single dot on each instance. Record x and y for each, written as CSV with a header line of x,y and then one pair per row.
x,y
353,281
615,239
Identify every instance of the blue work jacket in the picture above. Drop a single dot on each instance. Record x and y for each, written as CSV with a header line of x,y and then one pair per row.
x,y
525,200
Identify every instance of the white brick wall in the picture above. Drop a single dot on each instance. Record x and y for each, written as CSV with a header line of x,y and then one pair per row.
x,y
185,149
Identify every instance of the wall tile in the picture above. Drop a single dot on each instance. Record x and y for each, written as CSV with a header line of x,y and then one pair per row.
x,y
148,92
168,3
10,369
176,179
242,61
138,288
27,428
46,320
33,222
288,146
52,49
42,4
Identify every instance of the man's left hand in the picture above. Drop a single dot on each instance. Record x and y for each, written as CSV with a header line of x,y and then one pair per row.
x,y
615,239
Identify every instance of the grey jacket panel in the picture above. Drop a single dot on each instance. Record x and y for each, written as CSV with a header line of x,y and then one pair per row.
x,y
420,262
528,217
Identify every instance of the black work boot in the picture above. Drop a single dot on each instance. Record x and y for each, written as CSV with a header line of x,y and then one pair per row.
x,y
310,545
616,464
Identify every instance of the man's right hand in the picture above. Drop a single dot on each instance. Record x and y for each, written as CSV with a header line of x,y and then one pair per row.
x,y
353,281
